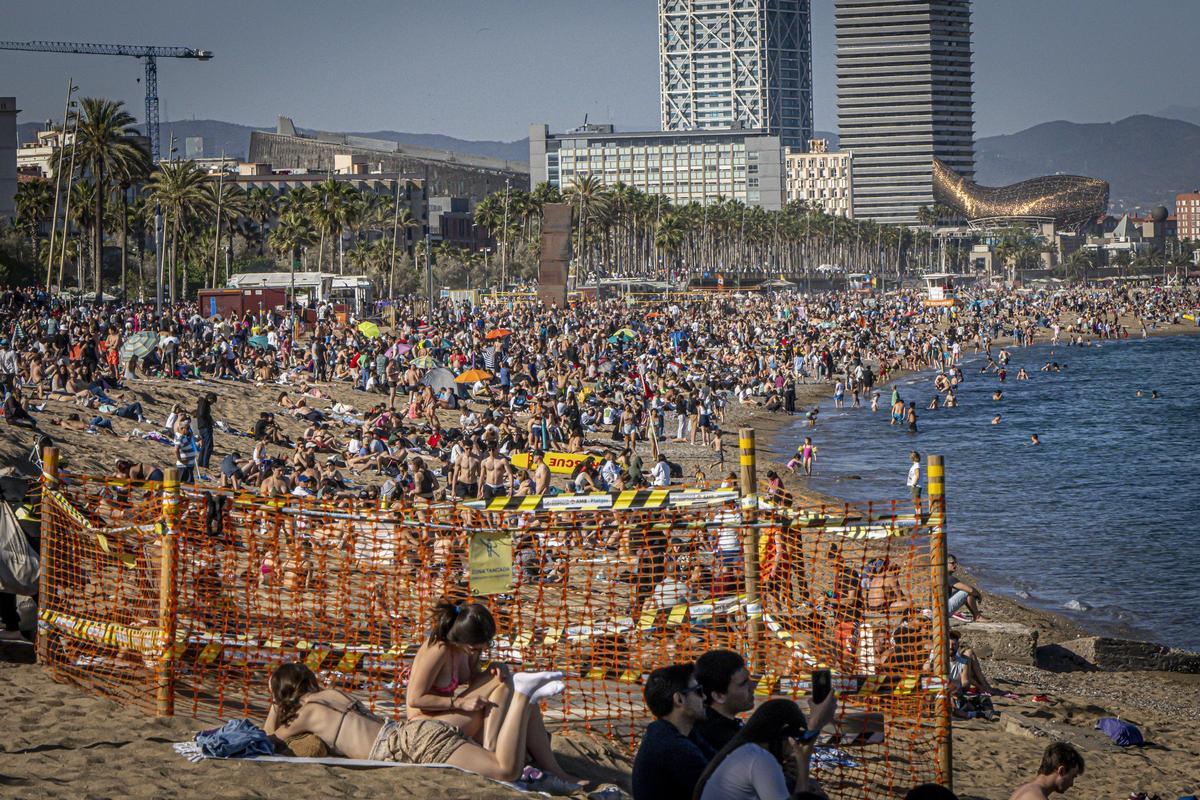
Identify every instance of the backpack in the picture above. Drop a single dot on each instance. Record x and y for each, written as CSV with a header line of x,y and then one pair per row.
x,y
19,562
1124,734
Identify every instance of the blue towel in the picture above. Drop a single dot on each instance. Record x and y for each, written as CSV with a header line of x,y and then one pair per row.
x,y
238,738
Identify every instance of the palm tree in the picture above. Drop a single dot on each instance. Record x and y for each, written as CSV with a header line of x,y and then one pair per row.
x,y
227,202
402,222
180,190
291,233
586,191
332,213
260,207
108,148
34,205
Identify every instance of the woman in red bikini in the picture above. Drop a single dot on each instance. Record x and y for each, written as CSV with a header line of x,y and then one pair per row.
x,y
447,684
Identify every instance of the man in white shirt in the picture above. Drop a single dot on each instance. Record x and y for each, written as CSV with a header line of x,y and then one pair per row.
x,y
660,473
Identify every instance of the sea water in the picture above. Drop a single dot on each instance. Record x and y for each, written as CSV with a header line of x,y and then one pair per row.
x,y
1100,521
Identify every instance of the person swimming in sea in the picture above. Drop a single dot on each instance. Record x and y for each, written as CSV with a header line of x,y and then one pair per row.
x,y
1033,439
996,420
997,395
1022,375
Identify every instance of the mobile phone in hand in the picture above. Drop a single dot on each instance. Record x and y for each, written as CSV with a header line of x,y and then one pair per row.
x,y
822,684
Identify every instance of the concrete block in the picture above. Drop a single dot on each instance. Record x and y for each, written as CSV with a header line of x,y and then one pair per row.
x,y
1001,641
1121,655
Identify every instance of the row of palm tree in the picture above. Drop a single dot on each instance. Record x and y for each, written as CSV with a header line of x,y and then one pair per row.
x,y
113,192
621,231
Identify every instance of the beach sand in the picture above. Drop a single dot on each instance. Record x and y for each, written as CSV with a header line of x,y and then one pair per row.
x,y
60,742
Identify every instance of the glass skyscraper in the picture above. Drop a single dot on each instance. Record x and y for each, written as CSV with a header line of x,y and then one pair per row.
x,y
904,98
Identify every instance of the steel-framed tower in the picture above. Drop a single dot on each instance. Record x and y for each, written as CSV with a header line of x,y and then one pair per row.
x,y
737,64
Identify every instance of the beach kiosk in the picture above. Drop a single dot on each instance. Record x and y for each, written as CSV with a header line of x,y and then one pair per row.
x,y
940,289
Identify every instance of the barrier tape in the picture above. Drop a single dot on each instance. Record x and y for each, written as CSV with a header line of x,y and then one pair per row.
x,y
628,500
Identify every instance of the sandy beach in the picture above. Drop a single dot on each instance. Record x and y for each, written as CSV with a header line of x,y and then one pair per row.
x,y
60,742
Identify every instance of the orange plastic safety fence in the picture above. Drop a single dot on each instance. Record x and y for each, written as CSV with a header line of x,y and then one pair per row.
x,y
605,596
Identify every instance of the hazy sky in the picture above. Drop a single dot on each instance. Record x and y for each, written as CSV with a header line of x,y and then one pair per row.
x,y
484,69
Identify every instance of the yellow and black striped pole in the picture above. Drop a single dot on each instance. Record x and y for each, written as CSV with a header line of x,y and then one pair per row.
x,y
935,473
167,602
49,535
749,492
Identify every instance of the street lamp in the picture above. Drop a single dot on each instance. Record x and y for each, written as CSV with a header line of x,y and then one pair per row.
x,y
62,144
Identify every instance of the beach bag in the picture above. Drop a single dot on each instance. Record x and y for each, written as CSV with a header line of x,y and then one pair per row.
x,y
19,565
1123,734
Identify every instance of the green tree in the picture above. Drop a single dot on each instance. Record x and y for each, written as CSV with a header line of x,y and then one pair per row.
x,y
180,189
34,205
108,149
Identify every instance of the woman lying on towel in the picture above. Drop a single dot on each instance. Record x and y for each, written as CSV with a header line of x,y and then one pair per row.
x,y
299,705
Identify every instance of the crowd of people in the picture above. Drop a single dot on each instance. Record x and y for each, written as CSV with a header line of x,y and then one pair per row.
x,y
486,719
449,397
467,403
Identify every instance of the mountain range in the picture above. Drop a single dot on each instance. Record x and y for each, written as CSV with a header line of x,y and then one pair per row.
x,y
1147,159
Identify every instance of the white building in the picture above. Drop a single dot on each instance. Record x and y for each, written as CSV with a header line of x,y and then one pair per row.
x,y
821,177
686,166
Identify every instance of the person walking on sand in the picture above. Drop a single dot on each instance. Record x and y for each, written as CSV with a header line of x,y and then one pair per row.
x,y
1061,765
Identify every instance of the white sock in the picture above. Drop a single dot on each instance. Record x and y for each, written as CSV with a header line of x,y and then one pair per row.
x,y
547,690
527,683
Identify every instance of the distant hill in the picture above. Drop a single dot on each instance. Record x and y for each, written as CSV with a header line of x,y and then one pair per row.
x,y
234,139
1147,160
1186,113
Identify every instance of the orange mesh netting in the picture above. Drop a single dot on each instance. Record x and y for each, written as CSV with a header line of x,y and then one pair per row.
x,y
606,595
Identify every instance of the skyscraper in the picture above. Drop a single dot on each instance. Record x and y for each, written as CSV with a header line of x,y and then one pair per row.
x,y
904,98
736,63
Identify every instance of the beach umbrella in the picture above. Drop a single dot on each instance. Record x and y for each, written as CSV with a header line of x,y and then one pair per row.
x,y
424,362
139,345
438,379
498,333
398,349
624,333
472,375
369,330
261,342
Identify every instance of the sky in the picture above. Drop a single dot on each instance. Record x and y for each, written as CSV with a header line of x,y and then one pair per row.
x,y
485,69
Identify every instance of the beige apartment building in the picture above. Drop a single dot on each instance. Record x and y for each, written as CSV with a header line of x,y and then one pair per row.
x,y
822,177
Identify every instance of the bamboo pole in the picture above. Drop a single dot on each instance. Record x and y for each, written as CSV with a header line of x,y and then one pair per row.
x,y
167,605
48,541
935,474
749,493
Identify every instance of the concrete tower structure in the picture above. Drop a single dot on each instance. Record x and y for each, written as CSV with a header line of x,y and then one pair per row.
x,y
737,64
904,77
8,158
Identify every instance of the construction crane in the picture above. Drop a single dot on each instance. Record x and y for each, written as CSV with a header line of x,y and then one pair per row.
x,y
149,56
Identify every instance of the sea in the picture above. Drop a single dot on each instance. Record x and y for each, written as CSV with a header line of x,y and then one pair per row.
x,y
1099,522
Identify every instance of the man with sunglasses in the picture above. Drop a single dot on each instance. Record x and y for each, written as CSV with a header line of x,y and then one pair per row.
x,y
672,755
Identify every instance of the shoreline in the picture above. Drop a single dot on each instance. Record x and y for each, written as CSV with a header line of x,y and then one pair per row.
x,y
1053,625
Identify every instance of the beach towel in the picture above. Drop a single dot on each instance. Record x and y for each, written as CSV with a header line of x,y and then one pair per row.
x,y
194,753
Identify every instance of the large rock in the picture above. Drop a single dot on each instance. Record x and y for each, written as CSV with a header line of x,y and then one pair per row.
x,y
1128,655
1001,641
